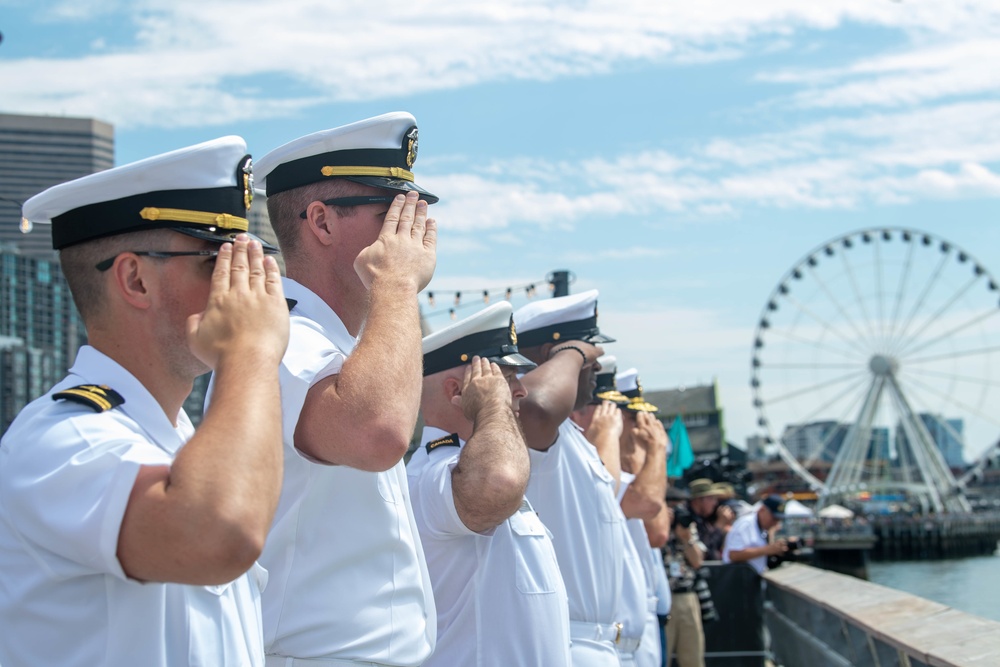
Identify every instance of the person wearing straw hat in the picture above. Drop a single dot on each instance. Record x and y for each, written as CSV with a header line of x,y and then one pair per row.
x,y
128,537
704,503
570,486
349,580
644,446
500,596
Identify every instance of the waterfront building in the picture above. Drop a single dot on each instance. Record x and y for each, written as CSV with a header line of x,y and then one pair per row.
x,y
40,330
947,434
699,407
37,152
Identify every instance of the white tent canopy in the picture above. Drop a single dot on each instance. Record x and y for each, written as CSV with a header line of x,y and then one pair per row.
x,y
795,508
835,512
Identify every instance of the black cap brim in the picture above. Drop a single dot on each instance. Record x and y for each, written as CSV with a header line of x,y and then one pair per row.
x,y
515,360
227,236
396,184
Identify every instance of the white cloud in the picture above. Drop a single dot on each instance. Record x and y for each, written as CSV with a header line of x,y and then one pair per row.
x,y
198,59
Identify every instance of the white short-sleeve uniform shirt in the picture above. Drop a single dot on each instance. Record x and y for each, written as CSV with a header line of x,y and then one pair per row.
x,y
640,597
744,534
500,597
574,496
66,473
348,575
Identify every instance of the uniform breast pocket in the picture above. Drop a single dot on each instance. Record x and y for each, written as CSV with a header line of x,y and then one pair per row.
x,y
607,505
388,487
534,559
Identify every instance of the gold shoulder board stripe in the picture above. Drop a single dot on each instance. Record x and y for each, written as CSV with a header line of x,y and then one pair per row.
x,y
98,398
446,441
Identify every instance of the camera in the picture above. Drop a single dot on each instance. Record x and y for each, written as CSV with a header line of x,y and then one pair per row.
x,y
797,553
682,517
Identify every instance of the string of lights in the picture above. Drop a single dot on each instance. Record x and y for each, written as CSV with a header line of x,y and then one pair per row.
x,y
468,298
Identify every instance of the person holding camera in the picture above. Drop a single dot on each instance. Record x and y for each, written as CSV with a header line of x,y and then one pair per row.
x,y
749,540
682,557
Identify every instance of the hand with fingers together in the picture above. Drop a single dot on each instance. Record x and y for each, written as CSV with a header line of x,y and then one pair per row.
x,y
246,313
484,389
406,249
607,421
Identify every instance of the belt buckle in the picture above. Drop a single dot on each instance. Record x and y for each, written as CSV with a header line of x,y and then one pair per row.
x,y
618,633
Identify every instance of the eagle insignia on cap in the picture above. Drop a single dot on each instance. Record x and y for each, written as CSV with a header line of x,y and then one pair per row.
x,y
244,175
97,397
513,332
411,147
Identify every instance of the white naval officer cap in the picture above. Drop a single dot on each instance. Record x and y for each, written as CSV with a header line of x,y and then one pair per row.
x,y
571,317
629,385
378,151
203,191
490,333
605,378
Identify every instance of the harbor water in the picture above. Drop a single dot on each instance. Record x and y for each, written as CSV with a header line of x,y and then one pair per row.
x,y
971,585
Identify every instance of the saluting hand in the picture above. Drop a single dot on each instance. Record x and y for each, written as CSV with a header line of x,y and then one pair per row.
x,y
649,433
607,419
246,314
484,388
405,251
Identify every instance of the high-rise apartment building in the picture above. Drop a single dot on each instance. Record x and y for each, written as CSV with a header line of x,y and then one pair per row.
x,y
37,152
40,330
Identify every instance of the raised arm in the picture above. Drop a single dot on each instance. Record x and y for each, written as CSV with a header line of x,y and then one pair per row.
x,y
203,519
644,497
364,416
554,390
604,433
489,480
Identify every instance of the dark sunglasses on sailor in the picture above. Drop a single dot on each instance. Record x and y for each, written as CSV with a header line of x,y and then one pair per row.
x,y
106,264
361,200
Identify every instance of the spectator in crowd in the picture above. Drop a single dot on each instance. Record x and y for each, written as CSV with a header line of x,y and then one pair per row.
x,y
752,538
704,504
682,557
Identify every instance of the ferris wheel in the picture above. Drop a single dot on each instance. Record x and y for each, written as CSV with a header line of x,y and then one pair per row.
x,y
876,359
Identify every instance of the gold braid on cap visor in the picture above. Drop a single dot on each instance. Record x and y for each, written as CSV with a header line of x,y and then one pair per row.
x,y
391,172
222,220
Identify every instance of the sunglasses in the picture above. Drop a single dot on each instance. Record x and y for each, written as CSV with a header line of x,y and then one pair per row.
x,y
354,201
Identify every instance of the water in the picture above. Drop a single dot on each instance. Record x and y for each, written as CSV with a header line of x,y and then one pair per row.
x,y
971,585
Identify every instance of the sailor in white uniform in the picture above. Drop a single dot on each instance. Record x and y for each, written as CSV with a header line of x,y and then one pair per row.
x,y
570,487
637,502
350,584
644,448
499,594
126,536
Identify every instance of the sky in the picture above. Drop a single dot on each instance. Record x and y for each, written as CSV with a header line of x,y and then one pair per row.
x,y
682,158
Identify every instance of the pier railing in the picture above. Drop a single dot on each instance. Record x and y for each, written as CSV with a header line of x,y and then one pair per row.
x,y
819,618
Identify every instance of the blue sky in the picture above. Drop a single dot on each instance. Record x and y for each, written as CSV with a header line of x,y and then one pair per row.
x,y
680,157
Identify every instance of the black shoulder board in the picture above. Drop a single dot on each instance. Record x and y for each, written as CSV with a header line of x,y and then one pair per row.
x,y
446,441
290,303
98,397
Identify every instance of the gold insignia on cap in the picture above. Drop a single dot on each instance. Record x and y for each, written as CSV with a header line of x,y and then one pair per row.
x,y
464,357
411,147
556,336
513,332
246,173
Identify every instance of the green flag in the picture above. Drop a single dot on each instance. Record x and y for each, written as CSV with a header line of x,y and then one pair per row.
x,y
681,456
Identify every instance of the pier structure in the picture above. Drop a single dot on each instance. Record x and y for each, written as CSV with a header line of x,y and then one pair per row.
x,y
825,619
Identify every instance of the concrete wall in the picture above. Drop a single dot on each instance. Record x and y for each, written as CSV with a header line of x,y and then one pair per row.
x,y
818,619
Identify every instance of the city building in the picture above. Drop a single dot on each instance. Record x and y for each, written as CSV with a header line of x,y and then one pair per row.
x,y
40,330
946,435
37,152
699,407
